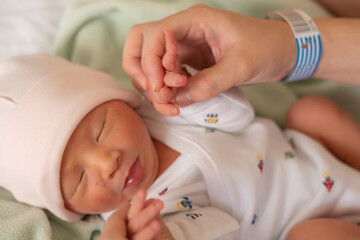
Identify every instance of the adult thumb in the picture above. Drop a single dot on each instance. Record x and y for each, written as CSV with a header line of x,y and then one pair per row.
x,y
206,84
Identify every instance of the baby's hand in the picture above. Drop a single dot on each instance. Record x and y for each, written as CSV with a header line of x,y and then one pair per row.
x,y
162,90
164,93
141,217
135,221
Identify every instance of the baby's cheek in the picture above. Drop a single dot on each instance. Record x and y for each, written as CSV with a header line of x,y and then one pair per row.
x,y
101,200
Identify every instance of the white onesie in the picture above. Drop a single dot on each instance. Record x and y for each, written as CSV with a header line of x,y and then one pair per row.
x,y
240,177
260,181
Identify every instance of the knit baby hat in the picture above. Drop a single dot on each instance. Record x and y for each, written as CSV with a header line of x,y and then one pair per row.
x,y
42,100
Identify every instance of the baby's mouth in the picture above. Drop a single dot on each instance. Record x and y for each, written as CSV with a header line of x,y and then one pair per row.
x,y
135,174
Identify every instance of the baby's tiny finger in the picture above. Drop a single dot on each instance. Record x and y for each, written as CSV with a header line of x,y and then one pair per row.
x,y
149,232
166,95
173,79
145,216
167,109
137,204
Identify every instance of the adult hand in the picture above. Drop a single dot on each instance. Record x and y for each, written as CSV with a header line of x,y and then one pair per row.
x,y
230,50
136,221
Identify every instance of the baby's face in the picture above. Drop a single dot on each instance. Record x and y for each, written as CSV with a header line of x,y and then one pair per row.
x,y
109,156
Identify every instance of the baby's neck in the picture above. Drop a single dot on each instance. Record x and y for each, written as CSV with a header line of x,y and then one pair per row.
x,y
166,156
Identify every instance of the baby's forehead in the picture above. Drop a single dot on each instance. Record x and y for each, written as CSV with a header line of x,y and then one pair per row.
x,y
93,119
98,111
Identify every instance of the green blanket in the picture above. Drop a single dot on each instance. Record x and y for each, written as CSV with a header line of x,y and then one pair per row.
x,y
19,221
93,33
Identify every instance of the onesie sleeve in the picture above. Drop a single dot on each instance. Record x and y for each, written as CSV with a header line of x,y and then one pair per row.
x,y
204,223
230,111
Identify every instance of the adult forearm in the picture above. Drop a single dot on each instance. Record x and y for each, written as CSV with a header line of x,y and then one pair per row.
x,y
340,59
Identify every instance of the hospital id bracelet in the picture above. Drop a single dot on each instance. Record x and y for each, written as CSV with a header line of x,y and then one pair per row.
x,y
307,39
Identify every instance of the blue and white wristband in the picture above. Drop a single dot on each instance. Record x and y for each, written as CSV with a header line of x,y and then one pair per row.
x,y
308,42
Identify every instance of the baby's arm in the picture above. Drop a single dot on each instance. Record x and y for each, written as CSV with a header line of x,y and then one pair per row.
x,y
229,111
140,220
324,228
324,121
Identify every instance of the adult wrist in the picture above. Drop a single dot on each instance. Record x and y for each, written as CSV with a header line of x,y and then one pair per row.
x,y
307,39
289,52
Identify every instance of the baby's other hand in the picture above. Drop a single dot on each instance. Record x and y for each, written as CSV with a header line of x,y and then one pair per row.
x,y
141,217
136,221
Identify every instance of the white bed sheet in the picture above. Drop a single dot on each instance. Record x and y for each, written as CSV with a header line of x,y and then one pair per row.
x,y
29,26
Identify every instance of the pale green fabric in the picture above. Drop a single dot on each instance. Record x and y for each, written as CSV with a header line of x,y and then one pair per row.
x,y
19,221
93,33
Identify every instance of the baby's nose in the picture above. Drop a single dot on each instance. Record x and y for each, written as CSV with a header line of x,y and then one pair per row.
x,y
108,165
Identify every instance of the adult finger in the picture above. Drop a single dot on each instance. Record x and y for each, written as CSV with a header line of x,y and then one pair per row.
x,y
145,93
207,83
168,60
132,55
154,44
151,61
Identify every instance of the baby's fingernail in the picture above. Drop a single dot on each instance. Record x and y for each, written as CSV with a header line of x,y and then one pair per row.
x,y
159,204
140,194
155,226
175,112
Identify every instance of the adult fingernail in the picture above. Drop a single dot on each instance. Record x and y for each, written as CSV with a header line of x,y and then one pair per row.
x,y
151,82
145,83
142,81
154,87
